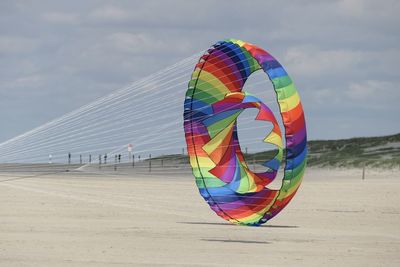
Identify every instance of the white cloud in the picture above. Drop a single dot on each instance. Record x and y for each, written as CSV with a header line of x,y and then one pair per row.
x,y
17,44
129,42
312,61
369,95
140,43
109,13
352,7
372,88
365,9
321,96
24,84
61,18
340,54
374,94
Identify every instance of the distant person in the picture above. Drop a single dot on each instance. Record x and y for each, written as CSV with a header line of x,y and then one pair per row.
x,y
105,159
69,158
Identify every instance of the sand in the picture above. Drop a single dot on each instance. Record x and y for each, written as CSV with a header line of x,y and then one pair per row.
x,y
85,219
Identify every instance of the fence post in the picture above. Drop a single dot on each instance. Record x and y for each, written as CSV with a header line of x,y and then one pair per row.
x,y
150,163
363,172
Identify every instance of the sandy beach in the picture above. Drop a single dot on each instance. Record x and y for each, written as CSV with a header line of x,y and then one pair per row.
x,y
100,219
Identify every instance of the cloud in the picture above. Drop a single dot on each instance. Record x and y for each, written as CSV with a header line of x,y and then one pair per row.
x,y
355,8
365,9
377,94
143,44
24,84
17,45
61,18
109,14
367,89
342,55
313,61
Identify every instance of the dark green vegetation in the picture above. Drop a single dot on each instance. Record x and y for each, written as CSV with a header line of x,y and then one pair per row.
x,y
381,152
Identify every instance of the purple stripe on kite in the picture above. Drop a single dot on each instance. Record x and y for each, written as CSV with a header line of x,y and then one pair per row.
x,y
261,58
231,203
229,172
268,176
271,64
298,137
196,128
225,106
220,107
229,64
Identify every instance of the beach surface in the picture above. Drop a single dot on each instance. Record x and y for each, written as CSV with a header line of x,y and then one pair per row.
x,y
121,219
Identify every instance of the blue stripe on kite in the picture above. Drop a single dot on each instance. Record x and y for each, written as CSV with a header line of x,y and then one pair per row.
x,y
235,183
293,151
195,104
250,98
220,116
233,53
271,64
195,116
244,61
276,73
294,162
224,195
272,164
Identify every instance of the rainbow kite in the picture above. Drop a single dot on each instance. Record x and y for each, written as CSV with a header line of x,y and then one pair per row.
x,y
214,100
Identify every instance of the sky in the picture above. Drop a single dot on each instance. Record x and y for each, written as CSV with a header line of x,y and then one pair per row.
x,y
342,55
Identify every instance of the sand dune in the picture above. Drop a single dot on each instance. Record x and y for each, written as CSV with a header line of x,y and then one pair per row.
x,y
86,219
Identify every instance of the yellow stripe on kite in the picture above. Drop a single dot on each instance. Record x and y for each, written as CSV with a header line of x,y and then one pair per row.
x,y
275,139
293,187
204,162
254,218
289,103
218,139
214,81
239,43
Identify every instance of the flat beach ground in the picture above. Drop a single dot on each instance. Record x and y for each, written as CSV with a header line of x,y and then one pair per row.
x,y
87,219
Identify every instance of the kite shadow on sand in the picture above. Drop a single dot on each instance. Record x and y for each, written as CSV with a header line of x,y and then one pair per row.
x,y
232,225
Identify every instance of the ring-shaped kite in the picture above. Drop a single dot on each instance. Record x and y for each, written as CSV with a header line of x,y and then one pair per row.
x,y
213,102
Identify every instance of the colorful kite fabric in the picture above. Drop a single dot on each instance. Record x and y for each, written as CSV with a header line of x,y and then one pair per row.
x,y
214,100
